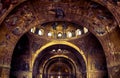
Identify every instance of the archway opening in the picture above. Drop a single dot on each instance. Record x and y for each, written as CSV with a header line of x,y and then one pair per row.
x,y
19,58
59,61
59,68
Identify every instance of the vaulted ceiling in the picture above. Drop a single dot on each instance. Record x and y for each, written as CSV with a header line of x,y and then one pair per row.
x,y
100,17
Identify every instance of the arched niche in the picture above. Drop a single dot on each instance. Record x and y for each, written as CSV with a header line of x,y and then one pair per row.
x,y
20,57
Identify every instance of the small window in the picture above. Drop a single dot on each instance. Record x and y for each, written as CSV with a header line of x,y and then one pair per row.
x,y
85,30
41,32
49,34
33,30
78,32
69,34
59,35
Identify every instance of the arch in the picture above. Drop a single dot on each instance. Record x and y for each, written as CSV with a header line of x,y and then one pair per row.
x,y
46,55
10,8
20,53
26,29
55,43
71,68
